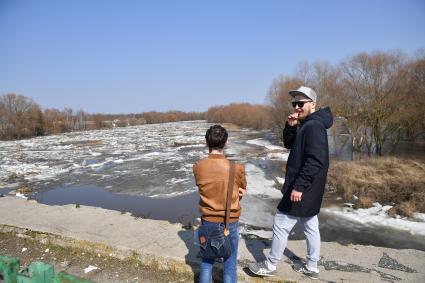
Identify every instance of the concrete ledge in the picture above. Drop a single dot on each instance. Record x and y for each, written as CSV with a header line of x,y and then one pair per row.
x,y
163,246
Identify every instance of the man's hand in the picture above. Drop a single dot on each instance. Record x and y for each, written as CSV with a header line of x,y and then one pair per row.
x,y
293,119
296,196
241,192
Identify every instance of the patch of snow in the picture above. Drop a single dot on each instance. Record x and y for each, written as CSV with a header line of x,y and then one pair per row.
x,y
278,155
419,216
90,268
280,180
377,216
20,195
263,234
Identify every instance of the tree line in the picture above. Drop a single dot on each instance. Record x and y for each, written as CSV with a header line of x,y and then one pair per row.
x,y
380,95
21,117
247,115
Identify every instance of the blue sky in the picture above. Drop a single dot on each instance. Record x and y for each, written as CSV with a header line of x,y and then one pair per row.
x,y
129,56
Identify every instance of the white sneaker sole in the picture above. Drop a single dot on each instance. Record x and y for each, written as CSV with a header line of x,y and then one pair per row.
x,y
300,272
261,274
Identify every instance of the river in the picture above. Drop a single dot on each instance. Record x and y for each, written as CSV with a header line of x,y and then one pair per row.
x,y
147,171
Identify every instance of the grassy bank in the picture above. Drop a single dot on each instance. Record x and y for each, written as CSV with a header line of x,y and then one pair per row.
x,y
386,180
34,246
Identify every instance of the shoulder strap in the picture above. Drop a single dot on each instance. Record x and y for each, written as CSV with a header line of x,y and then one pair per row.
x,y
229,195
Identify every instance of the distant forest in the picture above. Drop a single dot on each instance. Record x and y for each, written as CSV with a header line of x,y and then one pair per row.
x,y
379,95
21,117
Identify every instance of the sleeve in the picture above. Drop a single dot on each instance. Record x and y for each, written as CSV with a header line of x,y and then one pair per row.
x,y
195,170
315,151
289,133
241,177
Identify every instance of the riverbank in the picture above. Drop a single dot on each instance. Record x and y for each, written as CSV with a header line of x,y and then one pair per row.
x,y
167,248
387,180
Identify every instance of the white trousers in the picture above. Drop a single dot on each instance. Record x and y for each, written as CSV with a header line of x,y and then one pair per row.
x,y
283,224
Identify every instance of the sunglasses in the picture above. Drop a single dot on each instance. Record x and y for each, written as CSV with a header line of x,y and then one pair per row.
x,y
300,104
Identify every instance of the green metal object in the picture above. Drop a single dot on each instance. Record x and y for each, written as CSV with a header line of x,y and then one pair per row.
x,y
37,272
9,266
63,277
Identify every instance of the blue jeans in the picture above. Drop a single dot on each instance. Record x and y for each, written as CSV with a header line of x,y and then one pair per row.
x,y
229,264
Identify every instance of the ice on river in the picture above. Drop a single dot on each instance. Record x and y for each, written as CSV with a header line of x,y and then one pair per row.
x,y
122,158
149,160
156,161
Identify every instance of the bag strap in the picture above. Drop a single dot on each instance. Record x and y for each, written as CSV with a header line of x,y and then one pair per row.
x,y
229,196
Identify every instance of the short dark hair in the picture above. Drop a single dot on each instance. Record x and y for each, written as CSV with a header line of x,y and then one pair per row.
x,y
216,137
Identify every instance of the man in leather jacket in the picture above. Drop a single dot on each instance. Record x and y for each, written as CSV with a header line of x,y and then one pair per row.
x,y
212,175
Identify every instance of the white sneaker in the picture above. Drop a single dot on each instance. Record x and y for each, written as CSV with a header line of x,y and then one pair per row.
x,y
301,268
261,268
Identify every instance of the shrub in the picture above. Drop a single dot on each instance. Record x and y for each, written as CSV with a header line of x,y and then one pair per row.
x,y
386,180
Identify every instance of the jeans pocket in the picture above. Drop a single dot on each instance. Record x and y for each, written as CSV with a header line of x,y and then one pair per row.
x,y
217,239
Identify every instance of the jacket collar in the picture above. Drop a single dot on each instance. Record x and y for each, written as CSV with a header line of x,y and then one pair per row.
x,y
216,156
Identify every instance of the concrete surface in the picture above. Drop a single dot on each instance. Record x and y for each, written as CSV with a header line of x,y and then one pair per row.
x,y
169,246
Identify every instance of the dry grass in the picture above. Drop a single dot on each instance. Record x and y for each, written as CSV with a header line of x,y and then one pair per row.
x,y
386,180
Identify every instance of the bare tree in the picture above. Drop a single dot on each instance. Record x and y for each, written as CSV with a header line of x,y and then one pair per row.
x,y
241,114
69,119
372,87
326,81
53,121
279,100
81,120
20,117
414,98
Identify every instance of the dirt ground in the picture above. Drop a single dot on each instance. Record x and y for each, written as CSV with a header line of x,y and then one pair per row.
x,y
74,260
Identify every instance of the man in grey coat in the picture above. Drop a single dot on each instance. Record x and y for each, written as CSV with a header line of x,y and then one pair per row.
x,y
305,178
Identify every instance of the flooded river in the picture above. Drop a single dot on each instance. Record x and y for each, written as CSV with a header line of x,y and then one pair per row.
x,y
147,171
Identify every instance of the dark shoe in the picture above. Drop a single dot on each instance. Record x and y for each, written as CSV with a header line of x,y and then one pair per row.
x,y
301,268
261,268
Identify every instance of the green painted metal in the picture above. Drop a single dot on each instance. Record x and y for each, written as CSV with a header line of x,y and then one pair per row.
x,y
9,266
63,277
37,272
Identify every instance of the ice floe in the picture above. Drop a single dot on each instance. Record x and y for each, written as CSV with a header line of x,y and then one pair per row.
x,y
278,155
258,184
264,143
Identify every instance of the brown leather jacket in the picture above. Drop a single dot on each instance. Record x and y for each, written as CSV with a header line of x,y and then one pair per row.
x,y
212,175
